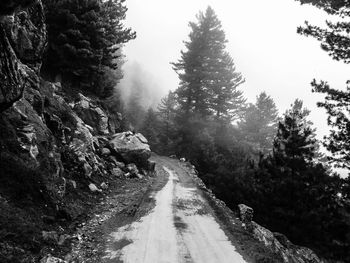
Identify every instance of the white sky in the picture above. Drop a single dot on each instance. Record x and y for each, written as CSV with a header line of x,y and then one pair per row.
x,y
262,41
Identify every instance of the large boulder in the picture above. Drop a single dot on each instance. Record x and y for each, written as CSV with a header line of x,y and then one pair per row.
x,y
132,148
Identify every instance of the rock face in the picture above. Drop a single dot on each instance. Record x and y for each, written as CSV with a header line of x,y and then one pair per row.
x,y
130,147
92,114
22,43
55,159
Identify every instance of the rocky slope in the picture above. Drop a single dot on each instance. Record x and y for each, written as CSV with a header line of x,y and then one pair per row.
x,y
59,152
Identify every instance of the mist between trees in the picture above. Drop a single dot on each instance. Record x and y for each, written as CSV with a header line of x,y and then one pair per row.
x,y
245,152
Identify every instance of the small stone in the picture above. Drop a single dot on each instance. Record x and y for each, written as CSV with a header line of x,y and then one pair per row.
x,y
104,186
105,152
73,183
87,169
117,172
94,188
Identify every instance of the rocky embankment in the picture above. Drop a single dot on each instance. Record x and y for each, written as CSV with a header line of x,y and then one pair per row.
x,y
59,153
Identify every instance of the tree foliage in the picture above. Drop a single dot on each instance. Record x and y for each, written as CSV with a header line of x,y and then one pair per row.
x,y
337,105
84,38
336,41
259,123
208,78
298,195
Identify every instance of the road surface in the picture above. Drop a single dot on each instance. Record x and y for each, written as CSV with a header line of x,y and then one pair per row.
x,y
180,228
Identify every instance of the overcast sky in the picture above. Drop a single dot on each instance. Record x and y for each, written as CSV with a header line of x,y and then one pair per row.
x,y
262,41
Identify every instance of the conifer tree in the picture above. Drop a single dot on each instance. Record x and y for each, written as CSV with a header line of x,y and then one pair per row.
x,y
259,124
336,41
337,105
84,38
295,141
296,194
208,79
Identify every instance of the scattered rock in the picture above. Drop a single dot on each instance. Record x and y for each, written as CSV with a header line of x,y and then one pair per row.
x,y
132,168
117,172
104,186
105,152
182,159
93,188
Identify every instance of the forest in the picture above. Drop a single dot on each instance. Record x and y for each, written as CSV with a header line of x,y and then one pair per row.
x,y
244,152
249,152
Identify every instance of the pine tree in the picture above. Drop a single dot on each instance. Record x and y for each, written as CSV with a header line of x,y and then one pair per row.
x,y
297,195
208,79
259,124
295,141
334,38
84,39
337,105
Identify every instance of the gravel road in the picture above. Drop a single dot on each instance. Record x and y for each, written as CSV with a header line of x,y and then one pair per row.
x,y
181,227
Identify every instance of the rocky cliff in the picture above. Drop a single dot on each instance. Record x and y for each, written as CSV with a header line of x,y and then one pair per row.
x,y
58,153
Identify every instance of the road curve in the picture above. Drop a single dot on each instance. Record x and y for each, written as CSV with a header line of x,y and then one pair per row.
x,y
180,228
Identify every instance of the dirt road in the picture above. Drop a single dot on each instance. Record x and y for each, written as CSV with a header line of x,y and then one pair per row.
x,y
181,227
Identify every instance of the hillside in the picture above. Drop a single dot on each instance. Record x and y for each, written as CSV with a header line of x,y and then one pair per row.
x,y
76,186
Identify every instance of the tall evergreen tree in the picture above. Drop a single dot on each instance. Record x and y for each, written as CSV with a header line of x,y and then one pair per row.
x,y
259,123
208,79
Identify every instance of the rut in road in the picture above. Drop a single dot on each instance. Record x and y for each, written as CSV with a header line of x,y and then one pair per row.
x,y
178,229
